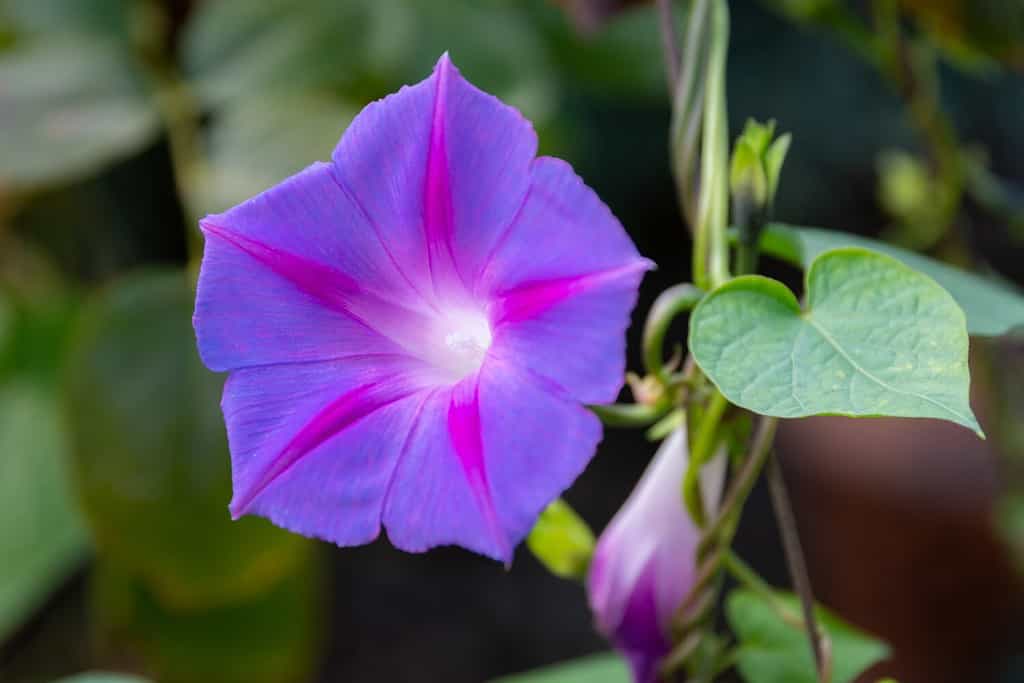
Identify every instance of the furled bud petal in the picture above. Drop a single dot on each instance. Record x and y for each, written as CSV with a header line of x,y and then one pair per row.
x,y
645,561
757,163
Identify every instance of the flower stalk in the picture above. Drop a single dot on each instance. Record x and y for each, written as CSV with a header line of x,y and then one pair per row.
x,y
710,264
797,567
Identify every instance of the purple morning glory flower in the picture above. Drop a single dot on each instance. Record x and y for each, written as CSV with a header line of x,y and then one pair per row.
x,y
412,328
644,564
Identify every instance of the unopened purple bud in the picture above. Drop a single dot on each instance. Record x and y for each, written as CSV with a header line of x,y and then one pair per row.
x,y
645,561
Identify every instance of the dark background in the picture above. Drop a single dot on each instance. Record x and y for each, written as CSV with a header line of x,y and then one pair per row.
x,y
100,183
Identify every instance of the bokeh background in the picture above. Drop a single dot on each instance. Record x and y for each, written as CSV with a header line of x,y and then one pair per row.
x,y
123,121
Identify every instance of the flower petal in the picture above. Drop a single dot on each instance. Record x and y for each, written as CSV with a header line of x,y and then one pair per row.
x,y
562,230
640,637
314,445
265,294
487,456
535,324
444,167
566,276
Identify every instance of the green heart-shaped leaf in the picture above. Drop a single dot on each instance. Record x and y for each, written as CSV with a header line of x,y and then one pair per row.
x,y
992,307
773,650
876,338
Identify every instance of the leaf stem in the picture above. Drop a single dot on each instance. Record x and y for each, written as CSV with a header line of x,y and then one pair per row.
x,y
797,567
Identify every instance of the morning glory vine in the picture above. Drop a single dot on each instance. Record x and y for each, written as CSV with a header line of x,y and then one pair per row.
x,y
425,333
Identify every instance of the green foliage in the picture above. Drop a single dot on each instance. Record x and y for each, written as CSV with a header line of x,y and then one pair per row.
x,y
203,597
602,668
772,649
101,677
363,47
255,143
106,18
151,457
623,60
992,308
269,638
562,541
41,536
73,103
876,338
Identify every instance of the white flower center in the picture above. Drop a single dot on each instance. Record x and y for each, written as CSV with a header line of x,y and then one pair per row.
x,y
465,337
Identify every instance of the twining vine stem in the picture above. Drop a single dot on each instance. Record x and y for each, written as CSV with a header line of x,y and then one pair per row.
x,y
710,269
797,566
669,43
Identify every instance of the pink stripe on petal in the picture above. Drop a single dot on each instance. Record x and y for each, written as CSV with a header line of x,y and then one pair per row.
x,y
467,441
327,284
334,289
439,218
333,419
530,300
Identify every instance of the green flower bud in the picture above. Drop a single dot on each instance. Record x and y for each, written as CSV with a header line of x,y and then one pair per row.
x,y
562,541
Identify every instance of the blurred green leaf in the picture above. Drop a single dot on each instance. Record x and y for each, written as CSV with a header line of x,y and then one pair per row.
x,y
562,541
151,456
255,143
101,677
622,60
362,49
111,18
6,326
602,668
771,650
971,30
41,536
233,48
874,337
267,638
72,103
992,308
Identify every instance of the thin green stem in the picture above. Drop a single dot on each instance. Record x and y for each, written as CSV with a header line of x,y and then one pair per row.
x,y
180,112
711,249
669,304
701,450
181,119
669,43
717,537
687,110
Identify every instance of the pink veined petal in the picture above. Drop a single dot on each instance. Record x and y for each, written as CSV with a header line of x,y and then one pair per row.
x,y
536,323
311,215
562,230
443,168
365,312
277,269
246,314
314,445
565,275
441,493
484,490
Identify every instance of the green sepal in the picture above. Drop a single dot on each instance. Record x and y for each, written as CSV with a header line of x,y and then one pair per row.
x,y
562,541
